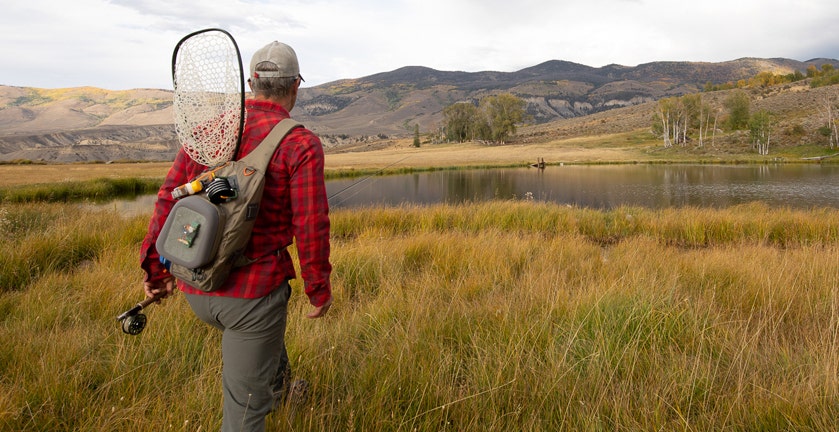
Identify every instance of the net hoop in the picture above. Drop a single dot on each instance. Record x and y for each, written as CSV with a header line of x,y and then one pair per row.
x,y
209,97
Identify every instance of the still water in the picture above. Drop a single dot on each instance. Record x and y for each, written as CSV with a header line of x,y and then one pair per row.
x,y
599,187
604,186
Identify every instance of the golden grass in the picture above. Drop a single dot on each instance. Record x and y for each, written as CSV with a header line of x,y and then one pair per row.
x,y
19,175
475,154
496,316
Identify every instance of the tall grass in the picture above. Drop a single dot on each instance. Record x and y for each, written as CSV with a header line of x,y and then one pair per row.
x,y
97,189
496,316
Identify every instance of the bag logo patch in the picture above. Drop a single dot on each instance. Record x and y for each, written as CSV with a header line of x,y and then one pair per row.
x,y
189,234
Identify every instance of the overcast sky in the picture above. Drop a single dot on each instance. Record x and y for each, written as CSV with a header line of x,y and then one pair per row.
x,y
125,44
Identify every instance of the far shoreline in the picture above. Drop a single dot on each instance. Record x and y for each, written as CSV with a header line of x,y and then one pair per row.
x,y
402,157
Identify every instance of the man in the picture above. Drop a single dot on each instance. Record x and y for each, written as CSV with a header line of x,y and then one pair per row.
x,y
250,308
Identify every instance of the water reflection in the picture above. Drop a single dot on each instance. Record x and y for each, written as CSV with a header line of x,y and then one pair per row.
x,y
599,187
604,187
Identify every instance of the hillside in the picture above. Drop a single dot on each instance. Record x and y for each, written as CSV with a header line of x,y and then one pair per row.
x,y
85,124
385,103
88,124
797,109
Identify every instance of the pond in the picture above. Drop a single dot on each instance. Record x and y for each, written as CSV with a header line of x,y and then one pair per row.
x,y
604,186
591,186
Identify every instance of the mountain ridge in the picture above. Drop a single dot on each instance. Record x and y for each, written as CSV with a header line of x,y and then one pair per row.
x,y
87,123
552,89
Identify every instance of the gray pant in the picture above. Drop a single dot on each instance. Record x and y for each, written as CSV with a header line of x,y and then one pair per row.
x,y
254,358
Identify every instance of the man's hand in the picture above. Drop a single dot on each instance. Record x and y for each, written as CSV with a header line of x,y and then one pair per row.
x,y
161,288
320,310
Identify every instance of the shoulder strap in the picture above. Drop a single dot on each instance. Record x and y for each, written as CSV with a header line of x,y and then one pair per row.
x,y
261,155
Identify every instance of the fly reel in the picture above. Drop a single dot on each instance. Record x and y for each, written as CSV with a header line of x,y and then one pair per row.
x,y
133,322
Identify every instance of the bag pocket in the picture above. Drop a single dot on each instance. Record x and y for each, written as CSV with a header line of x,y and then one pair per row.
x,y
191,234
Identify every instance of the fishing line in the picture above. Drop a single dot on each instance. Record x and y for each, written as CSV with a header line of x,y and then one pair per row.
x,y
356,183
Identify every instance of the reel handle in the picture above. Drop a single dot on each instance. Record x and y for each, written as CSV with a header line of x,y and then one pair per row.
x,y
136,309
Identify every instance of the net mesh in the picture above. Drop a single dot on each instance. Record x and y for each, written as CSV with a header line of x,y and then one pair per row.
x,y
208,97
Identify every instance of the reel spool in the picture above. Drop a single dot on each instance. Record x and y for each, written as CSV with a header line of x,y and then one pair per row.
x,y
134,324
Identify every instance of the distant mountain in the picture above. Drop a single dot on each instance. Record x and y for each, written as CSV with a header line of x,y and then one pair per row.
x,y
87,123
387,102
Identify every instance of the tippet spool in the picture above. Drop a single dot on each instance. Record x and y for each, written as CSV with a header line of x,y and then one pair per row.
x,y
219,191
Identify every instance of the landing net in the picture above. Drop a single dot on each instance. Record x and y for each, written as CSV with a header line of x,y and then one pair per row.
x,y
209,96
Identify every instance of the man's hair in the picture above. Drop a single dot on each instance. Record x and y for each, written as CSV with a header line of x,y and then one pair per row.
x,y
272,88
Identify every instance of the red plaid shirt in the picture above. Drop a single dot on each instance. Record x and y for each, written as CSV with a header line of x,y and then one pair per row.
x,y
294,206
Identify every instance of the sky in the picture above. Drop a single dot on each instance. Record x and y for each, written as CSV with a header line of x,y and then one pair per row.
x,y
127,44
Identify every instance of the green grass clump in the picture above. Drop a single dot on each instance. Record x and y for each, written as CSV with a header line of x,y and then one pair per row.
x,y
45,239
94,190
495,316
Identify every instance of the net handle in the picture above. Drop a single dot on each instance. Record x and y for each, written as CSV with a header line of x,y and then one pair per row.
x,y
241,77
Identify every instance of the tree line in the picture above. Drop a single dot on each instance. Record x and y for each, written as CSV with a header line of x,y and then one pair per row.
x,y
678,120
826,75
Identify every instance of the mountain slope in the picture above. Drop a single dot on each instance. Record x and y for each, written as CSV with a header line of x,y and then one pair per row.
x,y
87,123
388,102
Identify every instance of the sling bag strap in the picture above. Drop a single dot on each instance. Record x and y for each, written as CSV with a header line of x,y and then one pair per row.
x,y
262,154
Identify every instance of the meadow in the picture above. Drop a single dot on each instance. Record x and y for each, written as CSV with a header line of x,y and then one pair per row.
x,y
507,315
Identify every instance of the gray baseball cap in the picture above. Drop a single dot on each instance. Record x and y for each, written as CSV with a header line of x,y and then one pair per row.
x,y
279,54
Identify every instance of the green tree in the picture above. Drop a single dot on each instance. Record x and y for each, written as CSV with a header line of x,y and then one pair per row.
x,y
827,76
831,129
461,120
676,119
416,136
738,105
760,130
503,112
665,120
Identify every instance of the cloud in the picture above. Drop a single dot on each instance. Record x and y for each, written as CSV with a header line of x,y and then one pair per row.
x,y
128,43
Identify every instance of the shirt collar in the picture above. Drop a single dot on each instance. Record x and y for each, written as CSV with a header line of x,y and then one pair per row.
x,y
265,105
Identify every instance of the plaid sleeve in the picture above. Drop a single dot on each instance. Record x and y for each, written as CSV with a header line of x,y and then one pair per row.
x,y
310,214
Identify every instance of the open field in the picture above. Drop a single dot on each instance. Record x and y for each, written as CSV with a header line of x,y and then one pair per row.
x,y
575,150
501,316
507,315
28,174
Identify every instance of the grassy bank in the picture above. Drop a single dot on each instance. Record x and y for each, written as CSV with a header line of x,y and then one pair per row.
x,y
497,316
101,189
